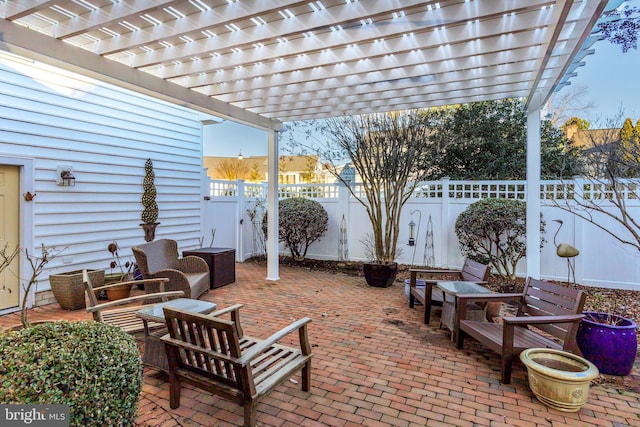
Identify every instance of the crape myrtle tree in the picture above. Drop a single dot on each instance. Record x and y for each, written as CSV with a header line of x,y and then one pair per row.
x,y
488,140
614,169
389,151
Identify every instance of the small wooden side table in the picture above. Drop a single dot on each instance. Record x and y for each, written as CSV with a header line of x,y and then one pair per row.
x,y
154,354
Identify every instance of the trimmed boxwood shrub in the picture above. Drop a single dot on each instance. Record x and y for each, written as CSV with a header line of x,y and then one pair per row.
x,y
493,231
301,222
92,367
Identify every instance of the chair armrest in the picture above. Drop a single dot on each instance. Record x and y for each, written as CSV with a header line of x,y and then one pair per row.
x,y
129,300
235,316
235,307
540,320
259,348
177,280
192,264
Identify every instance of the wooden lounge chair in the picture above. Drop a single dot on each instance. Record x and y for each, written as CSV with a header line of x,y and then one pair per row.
x,y
213,354
548,316
122,312
422,283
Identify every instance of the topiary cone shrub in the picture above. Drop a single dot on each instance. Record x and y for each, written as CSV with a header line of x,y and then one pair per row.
x,y
150,212
92,367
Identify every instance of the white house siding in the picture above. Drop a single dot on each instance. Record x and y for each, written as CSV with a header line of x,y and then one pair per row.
x,y
106,134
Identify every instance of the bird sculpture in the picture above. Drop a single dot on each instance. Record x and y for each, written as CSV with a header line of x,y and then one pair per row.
x,y
565,250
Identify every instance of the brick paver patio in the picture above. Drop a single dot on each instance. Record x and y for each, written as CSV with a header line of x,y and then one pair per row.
x,y
375,364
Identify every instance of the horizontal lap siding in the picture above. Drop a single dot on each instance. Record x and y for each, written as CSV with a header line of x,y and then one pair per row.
x,y
106,134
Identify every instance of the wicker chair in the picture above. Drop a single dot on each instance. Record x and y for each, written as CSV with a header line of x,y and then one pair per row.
x,y
160,259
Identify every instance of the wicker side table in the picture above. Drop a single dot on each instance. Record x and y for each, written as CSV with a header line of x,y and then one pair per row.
x,y
449,305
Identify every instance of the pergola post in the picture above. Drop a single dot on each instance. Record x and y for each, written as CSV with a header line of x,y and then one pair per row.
x,y
272,207
533,193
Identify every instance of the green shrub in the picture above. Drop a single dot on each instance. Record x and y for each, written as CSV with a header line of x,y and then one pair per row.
x,y
493,231
301,222
92,367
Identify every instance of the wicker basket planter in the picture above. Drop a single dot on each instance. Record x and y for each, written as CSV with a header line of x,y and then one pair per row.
x,y
69,289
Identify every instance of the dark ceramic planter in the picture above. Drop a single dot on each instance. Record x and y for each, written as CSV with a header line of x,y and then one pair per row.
x,y
380,275
612,348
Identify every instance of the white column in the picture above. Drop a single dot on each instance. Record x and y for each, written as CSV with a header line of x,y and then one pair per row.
x,y
445,225
272,207
240,211
533,193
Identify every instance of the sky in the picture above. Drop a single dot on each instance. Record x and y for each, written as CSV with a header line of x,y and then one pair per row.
x,y
610,80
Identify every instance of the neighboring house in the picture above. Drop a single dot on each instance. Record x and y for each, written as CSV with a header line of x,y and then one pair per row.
x,y
53,120
596,144
292,169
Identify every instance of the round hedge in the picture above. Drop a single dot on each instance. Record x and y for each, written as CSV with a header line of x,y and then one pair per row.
x,y
301,222
92,367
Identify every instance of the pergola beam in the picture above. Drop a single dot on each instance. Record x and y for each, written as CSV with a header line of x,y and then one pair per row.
x,y
18,39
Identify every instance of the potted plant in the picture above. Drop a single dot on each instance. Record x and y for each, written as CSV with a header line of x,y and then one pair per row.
x,y
391,153
609,341
150,212
123,273
559,379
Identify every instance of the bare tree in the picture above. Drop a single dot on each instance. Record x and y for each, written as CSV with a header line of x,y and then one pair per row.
x,y
566,104
388,152
233,169
604,197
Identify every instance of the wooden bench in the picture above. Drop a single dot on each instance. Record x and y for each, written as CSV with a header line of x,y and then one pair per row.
x,y
548,316
214,355
472,271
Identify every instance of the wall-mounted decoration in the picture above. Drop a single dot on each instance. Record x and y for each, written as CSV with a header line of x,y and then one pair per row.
x,y
65,176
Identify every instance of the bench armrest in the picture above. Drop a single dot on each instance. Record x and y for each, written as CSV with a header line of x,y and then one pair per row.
x,y
541,320
259,348
421,271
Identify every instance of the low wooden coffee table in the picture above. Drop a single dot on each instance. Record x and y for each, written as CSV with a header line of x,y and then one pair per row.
x,y
450,303
154,327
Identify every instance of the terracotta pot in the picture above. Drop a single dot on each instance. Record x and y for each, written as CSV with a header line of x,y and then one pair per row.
x,y
118,292
380,275
559,379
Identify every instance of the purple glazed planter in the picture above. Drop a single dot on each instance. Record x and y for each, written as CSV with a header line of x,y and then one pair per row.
x,y
612,348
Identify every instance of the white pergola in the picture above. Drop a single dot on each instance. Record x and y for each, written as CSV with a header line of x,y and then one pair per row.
x,y
265,62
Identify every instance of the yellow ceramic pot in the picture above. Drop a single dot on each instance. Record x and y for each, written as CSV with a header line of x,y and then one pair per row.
x,y
559,379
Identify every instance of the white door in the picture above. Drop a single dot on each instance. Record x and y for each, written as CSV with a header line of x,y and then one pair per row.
x,y
10,234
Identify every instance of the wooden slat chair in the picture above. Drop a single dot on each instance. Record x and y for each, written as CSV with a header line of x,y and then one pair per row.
x,y
548,316
125,317
213,354
422,283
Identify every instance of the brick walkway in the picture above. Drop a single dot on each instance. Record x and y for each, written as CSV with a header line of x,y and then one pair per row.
x,y
374,364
